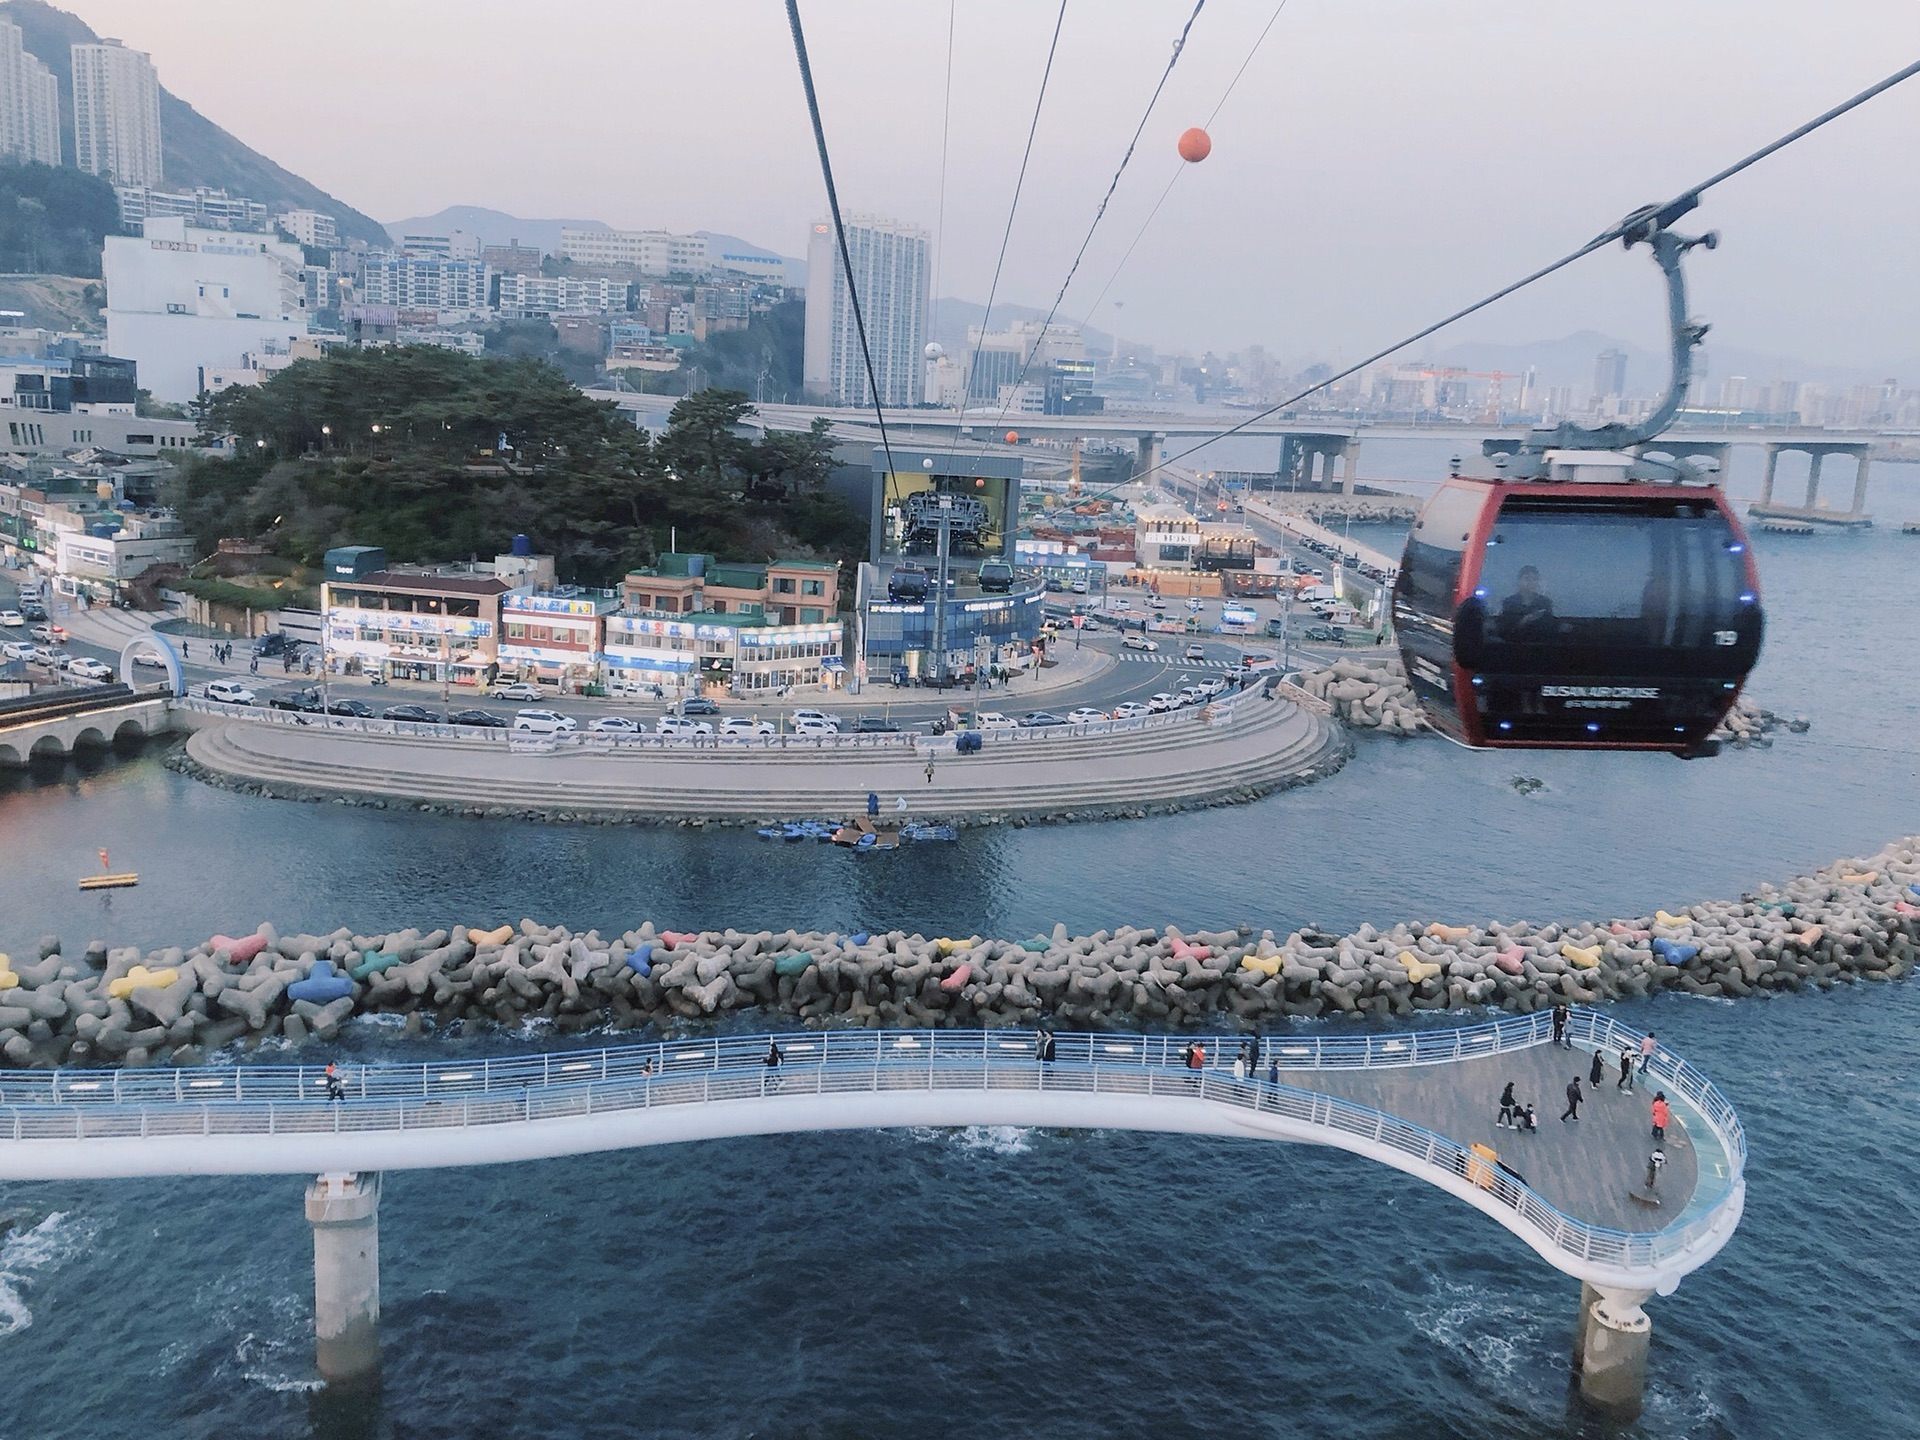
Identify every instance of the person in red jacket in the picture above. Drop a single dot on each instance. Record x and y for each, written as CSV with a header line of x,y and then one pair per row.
x,y
1661,1115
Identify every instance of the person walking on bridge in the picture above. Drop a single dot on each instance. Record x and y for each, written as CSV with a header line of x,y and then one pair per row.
x,y
1661,1115
1597,1070
1626,1071
1574,1096
336,1087
1560,1027
1509,1109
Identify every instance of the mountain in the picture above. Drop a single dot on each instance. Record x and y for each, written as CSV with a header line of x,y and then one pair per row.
x,y
194,150
952,316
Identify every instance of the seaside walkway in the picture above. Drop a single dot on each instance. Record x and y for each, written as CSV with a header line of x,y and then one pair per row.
x,y
1236,749
1418,1101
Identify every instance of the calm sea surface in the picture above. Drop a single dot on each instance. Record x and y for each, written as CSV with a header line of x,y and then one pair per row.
x,y
1013,1282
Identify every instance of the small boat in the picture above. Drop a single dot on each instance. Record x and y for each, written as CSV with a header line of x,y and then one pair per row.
x,y
109,882
919,830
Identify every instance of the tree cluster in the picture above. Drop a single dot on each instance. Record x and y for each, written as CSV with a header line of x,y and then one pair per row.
x,y
54,221
435,456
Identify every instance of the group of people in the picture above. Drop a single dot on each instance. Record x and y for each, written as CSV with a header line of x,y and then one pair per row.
x,y
1517,1115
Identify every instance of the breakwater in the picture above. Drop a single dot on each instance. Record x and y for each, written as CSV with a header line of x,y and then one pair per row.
x,y
1858,919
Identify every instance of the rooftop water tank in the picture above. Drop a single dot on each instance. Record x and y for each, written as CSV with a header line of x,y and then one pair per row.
x,y
522,545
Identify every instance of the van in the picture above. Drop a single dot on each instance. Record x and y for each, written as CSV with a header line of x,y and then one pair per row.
x,y
1317,592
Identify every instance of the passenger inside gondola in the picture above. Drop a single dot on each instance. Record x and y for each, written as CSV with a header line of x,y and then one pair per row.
x,y
1527,614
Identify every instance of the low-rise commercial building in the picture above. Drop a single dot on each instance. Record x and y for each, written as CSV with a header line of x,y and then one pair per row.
x,y
554,633
436,625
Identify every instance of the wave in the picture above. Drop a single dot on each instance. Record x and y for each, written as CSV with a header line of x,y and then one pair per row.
x,y
978,1139
28,1254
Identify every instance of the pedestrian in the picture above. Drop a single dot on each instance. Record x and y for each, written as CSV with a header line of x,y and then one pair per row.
x,y
873,804
1626,1071
1240,1066
1196,1056
1560,1026
1250,1052
1599,1069
1509,1109
253,666
336,1088
773,1055
1647,1046
186,650
1043,1047
1573,1099
929,770
1661,1115
1273,1072
1530,1120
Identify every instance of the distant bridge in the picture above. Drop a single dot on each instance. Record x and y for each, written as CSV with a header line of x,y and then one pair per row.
x,y
1421,1102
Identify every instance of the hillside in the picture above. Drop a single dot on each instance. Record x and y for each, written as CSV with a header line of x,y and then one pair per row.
x,y
52,221
496,227
195,151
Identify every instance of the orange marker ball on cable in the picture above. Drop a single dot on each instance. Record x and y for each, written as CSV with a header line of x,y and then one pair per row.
x,y
1195,145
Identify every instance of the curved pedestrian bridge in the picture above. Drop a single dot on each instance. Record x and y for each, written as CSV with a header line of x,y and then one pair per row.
x,y
1416,1100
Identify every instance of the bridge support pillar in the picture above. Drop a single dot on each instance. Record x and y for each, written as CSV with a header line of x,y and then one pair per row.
x,y
344,1210
1611,1351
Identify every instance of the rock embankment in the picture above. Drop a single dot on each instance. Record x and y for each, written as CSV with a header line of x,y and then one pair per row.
x,y
1858,919
1368,696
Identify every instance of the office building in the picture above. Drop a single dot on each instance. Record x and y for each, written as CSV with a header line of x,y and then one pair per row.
x,y
1022,352
890,271
29,103
651,252
182,301
116,113
1609,374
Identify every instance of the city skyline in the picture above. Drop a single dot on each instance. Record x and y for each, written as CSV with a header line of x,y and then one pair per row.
x,y
1352,194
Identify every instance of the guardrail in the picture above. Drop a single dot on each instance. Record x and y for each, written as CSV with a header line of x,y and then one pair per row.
x,y
79,1105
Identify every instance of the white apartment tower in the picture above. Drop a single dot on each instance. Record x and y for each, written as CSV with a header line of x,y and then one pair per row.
x,y
116,113
890,271
29,103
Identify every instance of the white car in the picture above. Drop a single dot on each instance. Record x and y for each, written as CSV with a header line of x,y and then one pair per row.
x,y
150,660
1085,715
681,726
994,720
1161,702
614,725
544,722
48,634
1140,642
18,650
1212,687
1192,695
820,716
228,692
1156,603
741,725
815,727
90,669
517,690
1131,710
1194,652
12,619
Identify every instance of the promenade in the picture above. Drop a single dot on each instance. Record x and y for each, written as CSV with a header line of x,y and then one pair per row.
x,y
1218,754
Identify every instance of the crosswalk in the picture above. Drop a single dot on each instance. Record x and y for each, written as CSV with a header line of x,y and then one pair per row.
x,y
1175,661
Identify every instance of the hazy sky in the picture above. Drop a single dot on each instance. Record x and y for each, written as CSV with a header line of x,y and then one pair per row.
x,y
1380,162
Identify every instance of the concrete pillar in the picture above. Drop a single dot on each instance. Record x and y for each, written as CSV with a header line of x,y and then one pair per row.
x,y
1615,1338
1766,477
1587,1296
1814,458
1350,452
344,1211
1860,485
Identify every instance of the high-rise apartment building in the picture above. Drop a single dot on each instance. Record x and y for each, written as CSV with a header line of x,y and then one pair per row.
x,y
116,113
1609,374
890,270
651,252
29,103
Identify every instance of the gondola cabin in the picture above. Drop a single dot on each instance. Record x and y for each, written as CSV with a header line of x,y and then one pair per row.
x,y
1584,609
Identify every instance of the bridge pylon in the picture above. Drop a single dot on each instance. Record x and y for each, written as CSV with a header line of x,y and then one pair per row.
x,y
344,1211
1610,1350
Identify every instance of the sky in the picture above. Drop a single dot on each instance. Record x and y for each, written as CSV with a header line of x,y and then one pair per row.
x,y
1379,163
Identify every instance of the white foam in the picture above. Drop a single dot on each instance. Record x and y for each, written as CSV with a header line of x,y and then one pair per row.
x,y
30,1253
979,1139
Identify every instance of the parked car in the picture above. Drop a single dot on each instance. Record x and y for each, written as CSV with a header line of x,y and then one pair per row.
x,y
1154,602
1038,720
480,719
150,660
1194,652
1160,702
88,668
1140,642
419,714
698,705
517,690
17,650
1211,686
680,725
741,725
358,709
1085,715
1191,695
815,727
228,692
1131,710
994,720
614,725
1079,587
1054,587
874,725
817,716
307,701
545,722
12,619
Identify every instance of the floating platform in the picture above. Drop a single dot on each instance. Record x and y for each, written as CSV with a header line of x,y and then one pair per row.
x,y
1833,519
109,882
1780,525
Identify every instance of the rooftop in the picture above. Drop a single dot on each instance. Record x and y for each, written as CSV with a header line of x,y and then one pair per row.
x,y
428,582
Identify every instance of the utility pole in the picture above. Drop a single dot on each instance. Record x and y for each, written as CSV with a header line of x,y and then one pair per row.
x,y
940,591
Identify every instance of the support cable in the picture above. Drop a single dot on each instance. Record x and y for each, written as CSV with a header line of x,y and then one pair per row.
x,y
1638,226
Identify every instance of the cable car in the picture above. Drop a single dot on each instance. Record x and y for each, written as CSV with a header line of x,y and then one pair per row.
x,y
1592,607
1586,594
